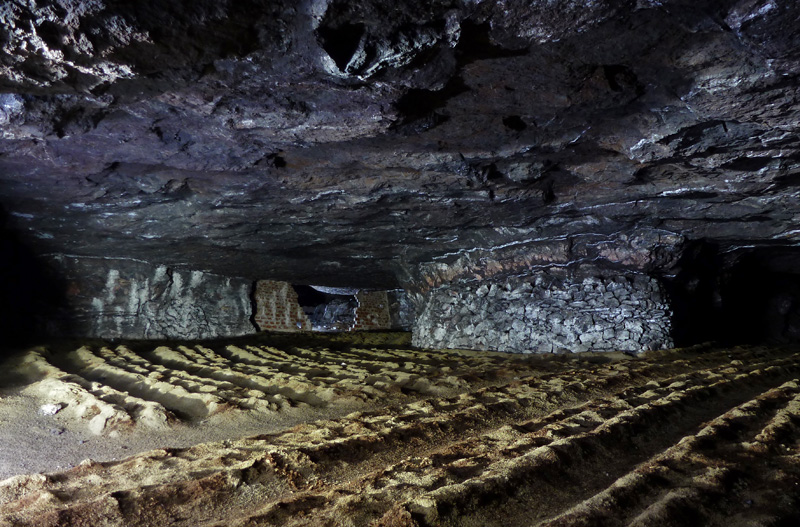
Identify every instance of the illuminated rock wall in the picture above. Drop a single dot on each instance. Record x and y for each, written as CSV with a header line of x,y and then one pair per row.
x,y
547,315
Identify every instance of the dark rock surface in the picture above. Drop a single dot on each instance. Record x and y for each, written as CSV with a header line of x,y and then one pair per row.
x,y
332,313
401,310
370,143
118,298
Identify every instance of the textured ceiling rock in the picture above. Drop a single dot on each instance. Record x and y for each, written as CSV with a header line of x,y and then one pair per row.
x,y
346,143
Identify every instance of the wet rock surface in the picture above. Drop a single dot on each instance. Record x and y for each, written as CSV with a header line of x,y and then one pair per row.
x,y
346,143
547,315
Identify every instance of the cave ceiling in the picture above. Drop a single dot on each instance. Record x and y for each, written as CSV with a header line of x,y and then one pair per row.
x,y
347,143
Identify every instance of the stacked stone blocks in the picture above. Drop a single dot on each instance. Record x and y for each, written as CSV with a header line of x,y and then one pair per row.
x,y
373,311
277,308
547,315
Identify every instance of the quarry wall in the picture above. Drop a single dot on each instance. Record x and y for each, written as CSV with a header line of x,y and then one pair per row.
x,y
544,313
123,298
132,299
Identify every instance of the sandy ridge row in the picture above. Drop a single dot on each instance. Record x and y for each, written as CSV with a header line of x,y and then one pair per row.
x,y
328,469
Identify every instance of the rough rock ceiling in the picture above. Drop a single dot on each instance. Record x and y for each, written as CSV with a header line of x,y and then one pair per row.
x,y
345,142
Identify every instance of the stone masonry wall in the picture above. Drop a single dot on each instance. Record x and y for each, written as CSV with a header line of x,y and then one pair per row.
x,y
546,314
372,311
277,308
123,298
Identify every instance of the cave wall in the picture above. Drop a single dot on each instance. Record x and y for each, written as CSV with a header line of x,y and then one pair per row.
x,y
123,298
339,314
401,310
482,139
133,299
356,310
545,313
277,307
372,145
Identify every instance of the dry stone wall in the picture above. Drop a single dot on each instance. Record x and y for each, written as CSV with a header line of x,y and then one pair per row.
x,y
546,315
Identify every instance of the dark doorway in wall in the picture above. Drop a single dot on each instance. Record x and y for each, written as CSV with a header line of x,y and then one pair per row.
x,y
761,295
746,296
32,298
693,292
328,309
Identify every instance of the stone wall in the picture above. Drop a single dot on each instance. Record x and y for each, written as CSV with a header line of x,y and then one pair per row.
x,y
133,299
364,311
372,312
123,298
546,314
277,308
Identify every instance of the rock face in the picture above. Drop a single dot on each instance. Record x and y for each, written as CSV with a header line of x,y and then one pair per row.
x,y
373,144
547,315
337,315
113,298
401,310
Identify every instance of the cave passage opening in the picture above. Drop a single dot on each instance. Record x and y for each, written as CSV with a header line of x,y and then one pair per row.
x,y
330,310
736,296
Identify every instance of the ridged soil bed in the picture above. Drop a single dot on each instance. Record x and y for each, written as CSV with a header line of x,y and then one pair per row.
x,y
331,432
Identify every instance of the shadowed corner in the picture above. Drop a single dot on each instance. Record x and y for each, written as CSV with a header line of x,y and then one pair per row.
x,y
748,296
32,297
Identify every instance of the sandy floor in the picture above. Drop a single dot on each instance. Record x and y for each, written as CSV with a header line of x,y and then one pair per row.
x,y
33,442
369,433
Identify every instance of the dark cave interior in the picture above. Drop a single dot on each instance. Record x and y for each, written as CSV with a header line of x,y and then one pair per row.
x,y
327,311
399,263
747,298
